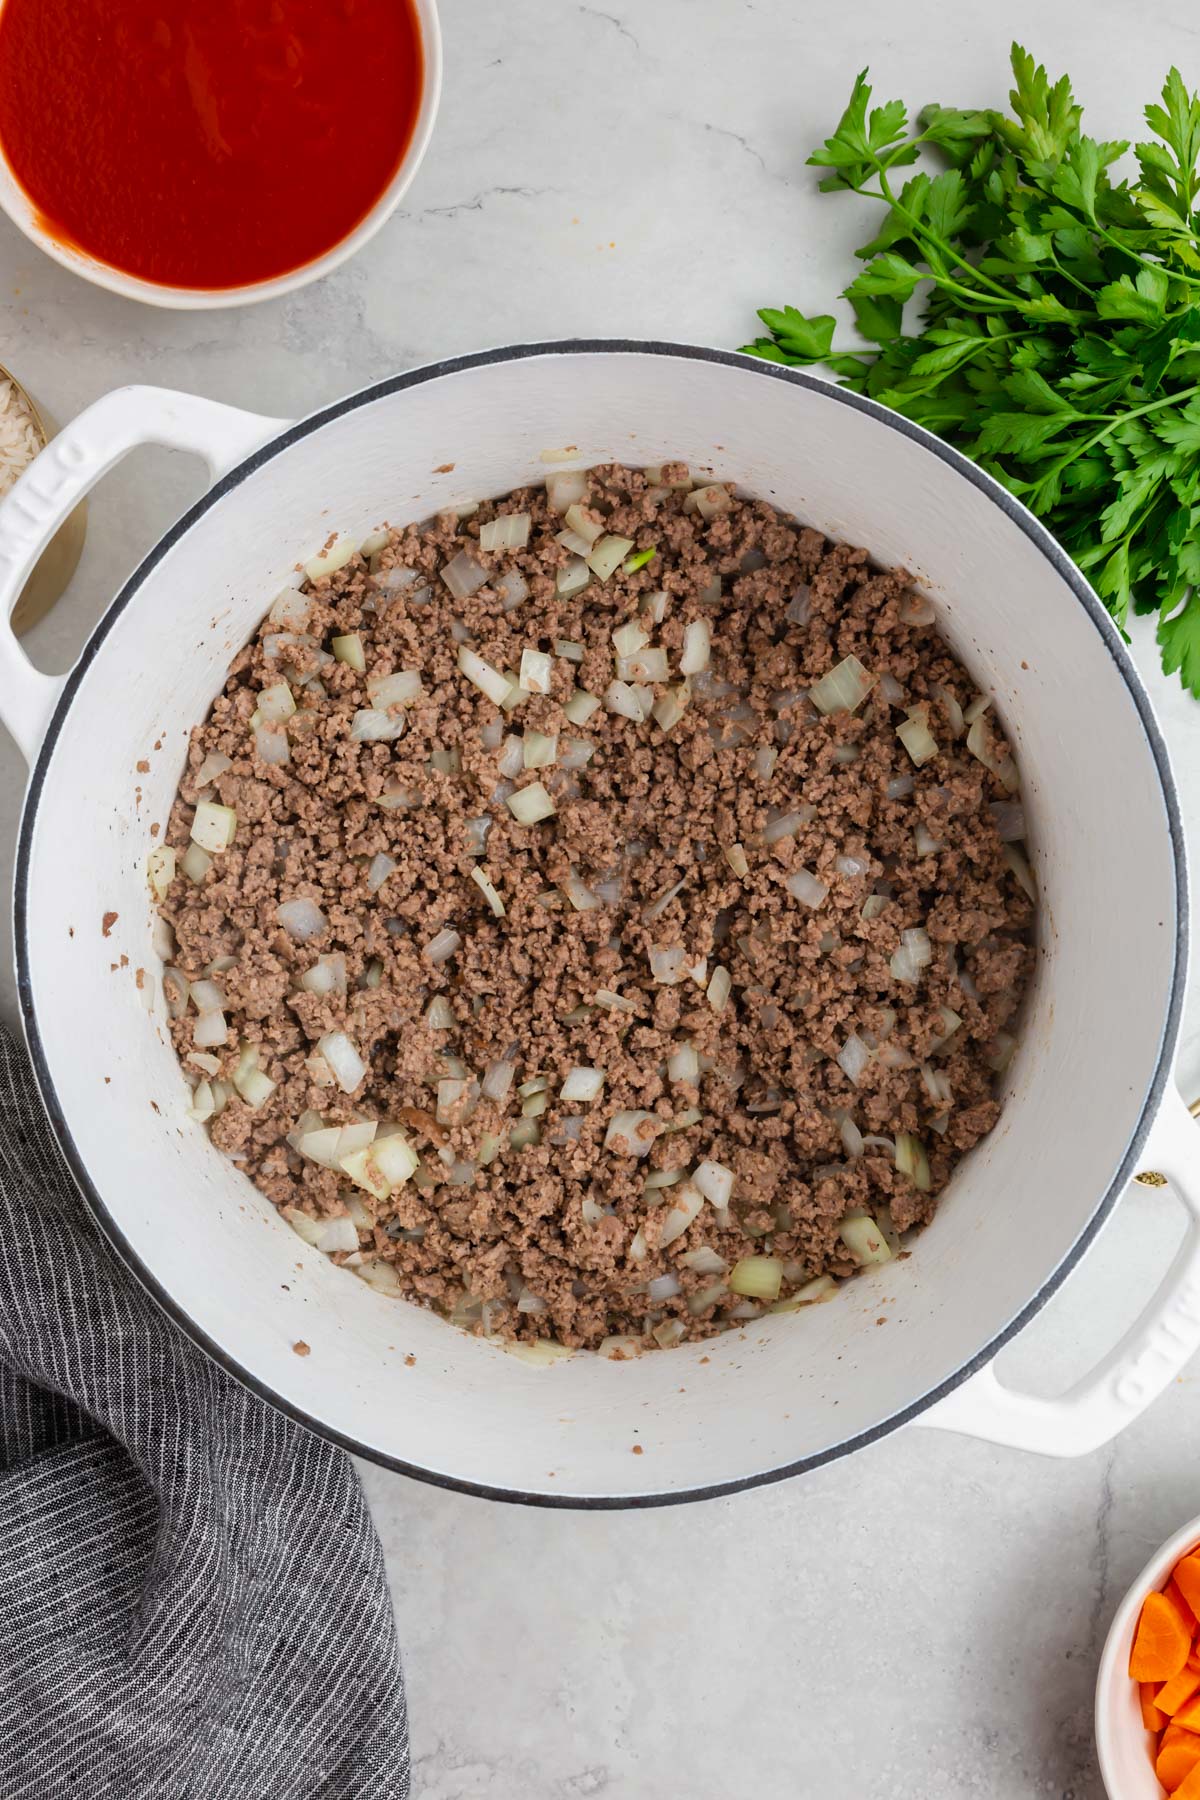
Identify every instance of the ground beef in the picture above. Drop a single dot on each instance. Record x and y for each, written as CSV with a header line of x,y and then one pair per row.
x,y
520,1219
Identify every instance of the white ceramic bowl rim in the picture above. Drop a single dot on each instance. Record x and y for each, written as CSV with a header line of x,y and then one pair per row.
x,y
1038,536
20,210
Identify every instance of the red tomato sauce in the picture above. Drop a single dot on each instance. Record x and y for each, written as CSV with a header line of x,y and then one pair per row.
x,y
206,143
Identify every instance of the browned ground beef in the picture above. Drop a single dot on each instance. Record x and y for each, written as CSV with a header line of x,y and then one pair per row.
x,y
562,1219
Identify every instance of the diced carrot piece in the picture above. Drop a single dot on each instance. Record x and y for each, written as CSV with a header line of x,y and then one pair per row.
x,y
1188,1715
1161,1643
1186,1576
1152,1718
1187,1612
1175,1763
1176,1693
1189,1787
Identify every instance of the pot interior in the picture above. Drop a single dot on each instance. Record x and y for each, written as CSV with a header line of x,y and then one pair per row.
x,y
397,1382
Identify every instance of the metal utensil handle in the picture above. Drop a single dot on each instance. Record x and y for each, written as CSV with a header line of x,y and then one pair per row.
x,y
1136,1371
69,467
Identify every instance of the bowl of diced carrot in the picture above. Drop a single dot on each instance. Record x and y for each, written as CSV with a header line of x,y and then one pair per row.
x,y
1148,1688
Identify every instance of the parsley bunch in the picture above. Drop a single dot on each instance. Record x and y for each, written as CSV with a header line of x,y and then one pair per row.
x,y
1059,342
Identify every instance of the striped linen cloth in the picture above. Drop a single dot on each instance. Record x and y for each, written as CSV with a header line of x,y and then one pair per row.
x,y
193,1603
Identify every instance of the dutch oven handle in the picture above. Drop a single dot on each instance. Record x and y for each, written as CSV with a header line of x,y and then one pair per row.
x,y
67,469
1148,1358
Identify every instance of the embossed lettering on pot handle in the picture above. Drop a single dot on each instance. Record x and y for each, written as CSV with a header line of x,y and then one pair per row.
x,y
69,466
1131,1376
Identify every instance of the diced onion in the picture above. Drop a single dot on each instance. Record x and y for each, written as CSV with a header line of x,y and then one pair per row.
x,y
301,918
333,557
271,746
1009,817
196,863
400,688
979,744
629,638
577,753
787,824
697,641
372,727
344,1060
530,804
612,1002
507,531
275,703
663,1287
718,990
1018,862
175,995
489,681
572,578
577,520
349,650
538,751
712,500
566,489
381,867
537,671
160,868
327,975
582,1084
999,1052
715,1182
851,1136
631,1133
912,1161
684,1064
569,649
865,1241
917,739
670,707
735,856
803,885
290,608
463,575
758,1277
211,1031
480,878
900,787
686,1201
853,1058
607,553
843,689
666,963
574,542
872,906
207,996
619,1349
952,710
512,588
924,841
913,955
580,706
214,826
214,764
622,699
442,946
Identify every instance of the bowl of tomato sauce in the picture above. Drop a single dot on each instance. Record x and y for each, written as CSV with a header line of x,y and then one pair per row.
x,y
217,154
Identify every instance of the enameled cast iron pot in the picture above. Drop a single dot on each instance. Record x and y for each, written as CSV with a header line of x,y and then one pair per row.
x,y
1090,1089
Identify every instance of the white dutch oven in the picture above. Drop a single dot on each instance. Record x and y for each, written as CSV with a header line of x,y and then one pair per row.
x,y
790,1392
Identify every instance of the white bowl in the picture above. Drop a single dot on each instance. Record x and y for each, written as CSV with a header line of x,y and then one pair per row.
x,y
16,203
1123,1744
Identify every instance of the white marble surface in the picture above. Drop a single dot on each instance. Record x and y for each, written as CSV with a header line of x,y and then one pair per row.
x,y
923,1621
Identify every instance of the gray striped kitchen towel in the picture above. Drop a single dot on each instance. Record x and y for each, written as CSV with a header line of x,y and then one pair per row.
x,y
193,1603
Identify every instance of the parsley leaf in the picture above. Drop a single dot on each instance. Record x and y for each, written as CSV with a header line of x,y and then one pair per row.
x,y
1059,334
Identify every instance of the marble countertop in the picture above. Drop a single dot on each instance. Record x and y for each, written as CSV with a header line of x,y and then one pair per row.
x,y
923,1620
